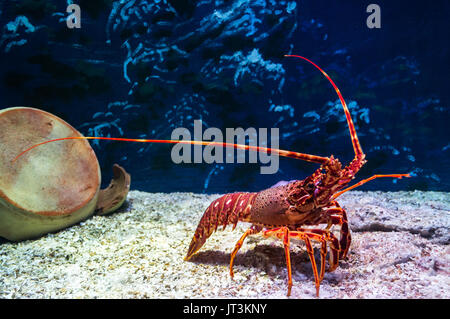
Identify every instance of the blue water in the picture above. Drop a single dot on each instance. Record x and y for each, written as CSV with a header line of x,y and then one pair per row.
x,y
140,69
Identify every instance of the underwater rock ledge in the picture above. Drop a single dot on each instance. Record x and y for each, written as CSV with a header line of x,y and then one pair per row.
x,y
399,250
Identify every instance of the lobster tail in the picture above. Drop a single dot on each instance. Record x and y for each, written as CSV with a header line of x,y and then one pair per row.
x,y
228,209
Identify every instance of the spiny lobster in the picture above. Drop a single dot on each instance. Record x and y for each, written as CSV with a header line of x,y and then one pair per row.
x,y
286,211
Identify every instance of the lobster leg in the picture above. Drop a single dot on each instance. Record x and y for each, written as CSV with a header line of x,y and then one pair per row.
x,y
287,254
285,234
323,256
324,236
310,251
338,216
251,231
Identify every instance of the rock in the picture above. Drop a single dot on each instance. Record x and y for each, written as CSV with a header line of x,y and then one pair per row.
x,y
423,213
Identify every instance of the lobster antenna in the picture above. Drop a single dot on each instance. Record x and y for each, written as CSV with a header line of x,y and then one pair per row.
x,y
400,176
356,146
284,153
306,157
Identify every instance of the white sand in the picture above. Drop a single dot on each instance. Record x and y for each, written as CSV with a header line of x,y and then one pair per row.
x,y
399,250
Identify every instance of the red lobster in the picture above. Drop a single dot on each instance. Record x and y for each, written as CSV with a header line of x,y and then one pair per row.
x,y
283,211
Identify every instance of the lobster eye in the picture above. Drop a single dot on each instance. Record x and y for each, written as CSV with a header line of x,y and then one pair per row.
x,y
309,186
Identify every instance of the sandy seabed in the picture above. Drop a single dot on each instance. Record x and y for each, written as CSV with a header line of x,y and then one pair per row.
x,y
400,249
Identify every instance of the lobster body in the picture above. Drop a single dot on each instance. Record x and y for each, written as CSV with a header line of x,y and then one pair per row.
x,y
284,211
296,204
293,210
267,208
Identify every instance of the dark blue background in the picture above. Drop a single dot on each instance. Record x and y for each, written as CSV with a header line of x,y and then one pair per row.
x,y
139,69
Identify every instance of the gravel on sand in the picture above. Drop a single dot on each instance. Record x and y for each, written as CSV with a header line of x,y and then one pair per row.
x,y
400,249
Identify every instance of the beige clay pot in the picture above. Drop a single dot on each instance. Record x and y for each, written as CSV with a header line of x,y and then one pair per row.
x,y
54,185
